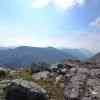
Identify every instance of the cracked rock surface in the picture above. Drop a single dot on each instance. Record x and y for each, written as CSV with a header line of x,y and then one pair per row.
x,y
82,82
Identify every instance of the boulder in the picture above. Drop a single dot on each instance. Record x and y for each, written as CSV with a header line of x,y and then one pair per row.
x,y
24,90
40,75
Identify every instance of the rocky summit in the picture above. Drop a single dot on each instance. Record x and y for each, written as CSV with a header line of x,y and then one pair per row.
x,y
22,90
82,82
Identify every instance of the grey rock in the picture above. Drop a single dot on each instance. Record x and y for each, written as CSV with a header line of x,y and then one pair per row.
x,y
82,83
23,90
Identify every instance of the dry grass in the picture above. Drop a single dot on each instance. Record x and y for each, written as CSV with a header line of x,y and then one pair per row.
x,y
55,91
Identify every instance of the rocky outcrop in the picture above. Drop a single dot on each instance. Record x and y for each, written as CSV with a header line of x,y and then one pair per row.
x,y
23,90
82,82
40,75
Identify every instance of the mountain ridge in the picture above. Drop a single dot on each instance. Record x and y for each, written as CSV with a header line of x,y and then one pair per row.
x,y
25,55
96,58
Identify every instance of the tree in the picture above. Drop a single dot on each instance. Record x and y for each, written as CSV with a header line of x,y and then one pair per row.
x,y
44,66
2,74
60,66
35,68
38,67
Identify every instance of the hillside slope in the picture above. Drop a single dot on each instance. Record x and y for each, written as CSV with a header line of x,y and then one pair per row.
x,y
96,58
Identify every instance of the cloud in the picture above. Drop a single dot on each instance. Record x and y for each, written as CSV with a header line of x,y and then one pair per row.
x,y
95,23
40,3
67,4
59,4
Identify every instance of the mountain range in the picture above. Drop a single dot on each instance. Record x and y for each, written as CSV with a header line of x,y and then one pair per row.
x,y
81,54
25,55
96,58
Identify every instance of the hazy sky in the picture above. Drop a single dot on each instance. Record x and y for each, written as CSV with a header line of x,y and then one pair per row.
x,y
58,23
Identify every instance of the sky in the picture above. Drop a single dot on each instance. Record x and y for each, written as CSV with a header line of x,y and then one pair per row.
x,y
57,23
